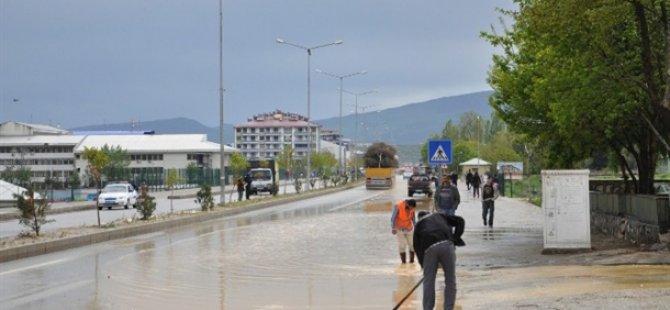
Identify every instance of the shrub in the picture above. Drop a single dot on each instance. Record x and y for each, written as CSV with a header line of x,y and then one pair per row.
x,y
204,197
297,184
146,205
33,211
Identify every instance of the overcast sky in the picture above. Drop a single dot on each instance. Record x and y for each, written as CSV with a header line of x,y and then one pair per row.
x,y
84,62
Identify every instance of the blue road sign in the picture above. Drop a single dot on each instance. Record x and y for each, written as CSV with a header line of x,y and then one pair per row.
x,y
439,152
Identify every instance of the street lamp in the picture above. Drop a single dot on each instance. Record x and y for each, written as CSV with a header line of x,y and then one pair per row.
x,y
479,137
356,95
222,160
309,106
341,77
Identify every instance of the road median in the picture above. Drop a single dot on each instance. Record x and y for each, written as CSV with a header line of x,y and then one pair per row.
x,y
54,242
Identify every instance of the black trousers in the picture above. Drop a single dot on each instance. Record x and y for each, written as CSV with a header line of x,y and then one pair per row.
x,y
488,209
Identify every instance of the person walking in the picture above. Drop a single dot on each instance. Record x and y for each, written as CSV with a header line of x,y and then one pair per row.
x,y
435,236
454,178
468,179
402,225
447,197
476,182
248,180
240,188
489,194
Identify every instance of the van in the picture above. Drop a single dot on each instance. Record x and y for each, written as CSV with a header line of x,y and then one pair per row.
x,y
261,180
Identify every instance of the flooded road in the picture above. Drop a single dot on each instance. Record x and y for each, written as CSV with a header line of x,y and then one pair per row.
x,y
332,252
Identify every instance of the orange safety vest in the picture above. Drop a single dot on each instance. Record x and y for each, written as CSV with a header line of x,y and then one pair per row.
x,y
404,218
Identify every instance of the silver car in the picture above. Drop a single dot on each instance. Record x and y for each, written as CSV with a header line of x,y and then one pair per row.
x,y
114,195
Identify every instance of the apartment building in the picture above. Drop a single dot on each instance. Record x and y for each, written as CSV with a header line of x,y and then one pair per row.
x,y
265,135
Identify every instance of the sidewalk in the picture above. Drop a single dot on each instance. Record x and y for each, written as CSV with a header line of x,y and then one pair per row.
x,y
517,239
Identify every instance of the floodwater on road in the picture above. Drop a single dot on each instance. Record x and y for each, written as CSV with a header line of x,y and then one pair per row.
x,y
333,252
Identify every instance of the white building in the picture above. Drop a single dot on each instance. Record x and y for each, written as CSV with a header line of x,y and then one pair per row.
x,y
264,135
49,151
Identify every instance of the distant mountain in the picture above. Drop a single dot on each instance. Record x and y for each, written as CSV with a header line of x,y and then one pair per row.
x,y
410,124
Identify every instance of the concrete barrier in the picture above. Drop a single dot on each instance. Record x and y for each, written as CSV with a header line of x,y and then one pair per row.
x,y
639,219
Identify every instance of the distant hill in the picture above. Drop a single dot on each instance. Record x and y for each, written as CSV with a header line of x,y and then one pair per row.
x,y
410,124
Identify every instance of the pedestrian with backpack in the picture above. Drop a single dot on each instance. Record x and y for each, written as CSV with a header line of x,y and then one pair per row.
x,y
489,194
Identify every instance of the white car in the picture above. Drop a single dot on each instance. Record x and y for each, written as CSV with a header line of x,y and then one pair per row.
x,y
117,195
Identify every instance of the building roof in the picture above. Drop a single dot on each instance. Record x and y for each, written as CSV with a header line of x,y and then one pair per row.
x,y
276,123
476,162
36,129
40,140
7,191
168,143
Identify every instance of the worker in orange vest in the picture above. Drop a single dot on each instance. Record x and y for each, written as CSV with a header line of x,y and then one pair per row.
x,y
402,225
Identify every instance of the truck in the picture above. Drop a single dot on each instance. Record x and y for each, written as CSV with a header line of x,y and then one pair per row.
x,y
420,181
262,180
379,178
263,176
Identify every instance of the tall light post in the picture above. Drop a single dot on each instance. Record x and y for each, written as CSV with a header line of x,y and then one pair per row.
x,y
309,105
479,137
356,95
341,78
222,174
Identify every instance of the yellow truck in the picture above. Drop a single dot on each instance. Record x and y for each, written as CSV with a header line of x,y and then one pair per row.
x,y
379,178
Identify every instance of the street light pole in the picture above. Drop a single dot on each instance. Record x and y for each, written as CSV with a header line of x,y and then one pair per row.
x,y
356,95
479,137
222,174
341,78
309,105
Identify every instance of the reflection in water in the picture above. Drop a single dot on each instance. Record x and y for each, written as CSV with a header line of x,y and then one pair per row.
x,y
489,234
406,274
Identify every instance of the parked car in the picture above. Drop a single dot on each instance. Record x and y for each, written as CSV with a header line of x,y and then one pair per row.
x,y
119,194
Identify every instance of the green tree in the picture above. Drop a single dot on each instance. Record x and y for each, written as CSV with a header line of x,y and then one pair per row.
x,y
118,162
239,164
324,162
285,161
97,161
578,77
146,205
381,155
204,197
75,182
450,131
192,171
173,179
32,210
19,176
470,126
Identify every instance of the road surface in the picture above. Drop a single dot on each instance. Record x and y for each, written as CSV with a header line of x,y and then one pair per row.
x,y
331,252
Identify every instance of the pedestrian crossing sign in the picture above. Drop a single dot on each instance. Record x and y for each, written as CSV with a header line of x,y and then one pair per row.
x,y
439,151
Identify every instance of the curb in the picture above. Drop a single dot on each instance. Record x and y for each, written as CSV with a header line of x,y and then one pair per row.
x,y
46,247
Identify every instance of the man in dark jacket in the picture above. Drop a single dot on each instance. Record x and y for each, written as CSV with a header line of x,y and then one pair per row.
x,y
248,180
434,241
447,197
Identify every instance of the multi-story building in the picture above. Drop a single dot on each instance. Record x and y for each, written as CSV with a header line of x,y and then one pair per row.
x,y
264,135
53,153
